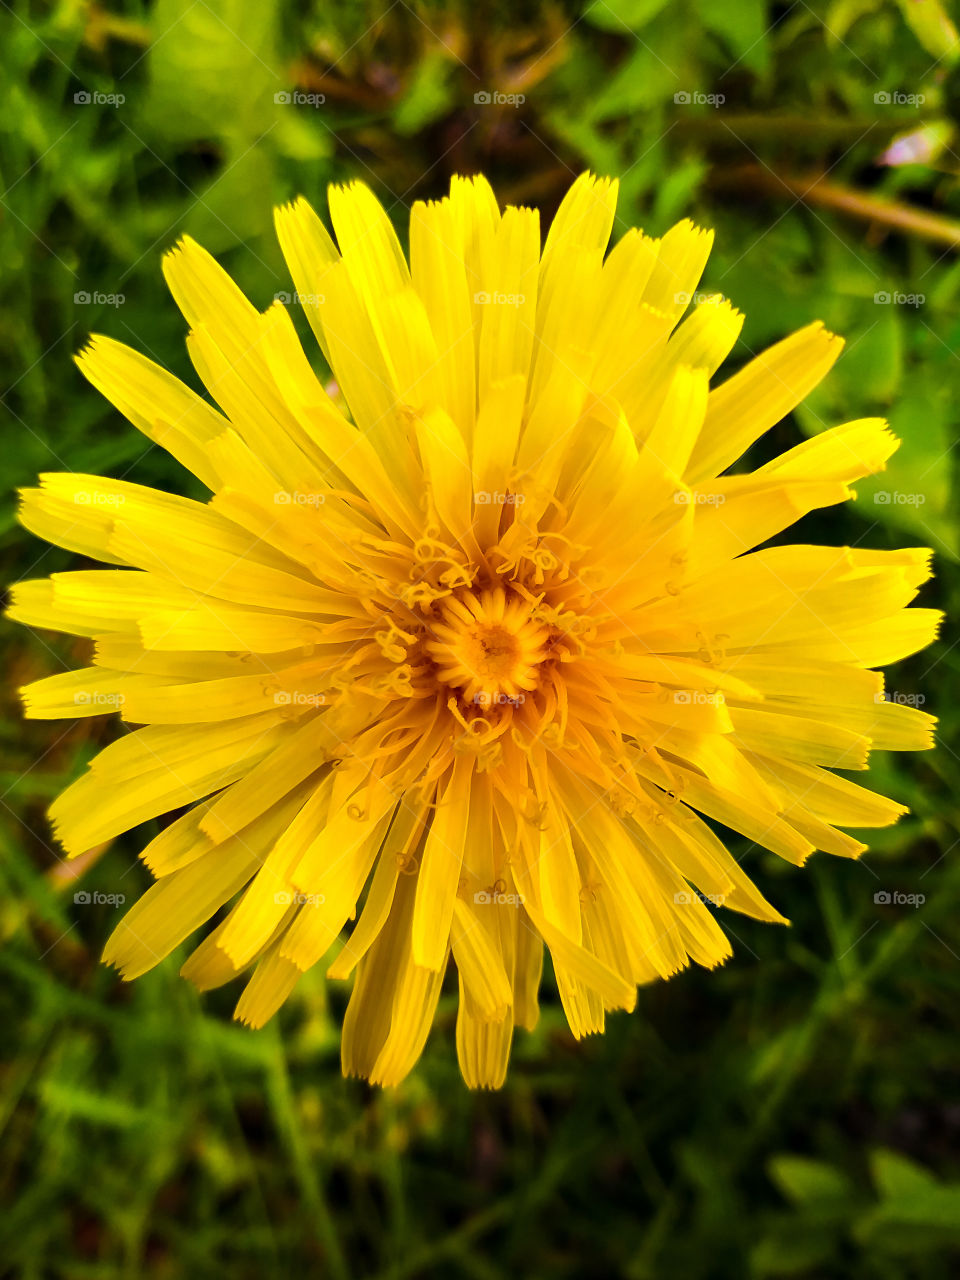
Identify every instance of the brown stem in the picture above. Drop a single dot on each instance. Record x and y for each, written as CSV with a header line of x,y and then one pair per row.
x,y
815,189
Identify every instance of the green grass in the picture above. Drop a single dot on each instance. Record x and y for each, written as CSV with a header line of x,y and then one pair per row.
x,y
793,1113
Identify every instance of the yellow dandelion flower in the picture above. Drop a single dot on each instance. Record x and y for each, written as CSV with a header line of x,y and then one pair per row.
x,y
478,644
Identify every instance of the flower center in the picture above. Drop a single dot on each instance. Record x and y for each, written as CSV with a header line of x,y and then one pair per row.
x,y
487,645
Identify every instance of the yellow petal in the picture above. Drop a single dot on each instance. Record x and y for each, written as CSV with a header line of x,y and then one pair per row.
x,y
182,901
483,1047
479,962
156,403
440,869
747,405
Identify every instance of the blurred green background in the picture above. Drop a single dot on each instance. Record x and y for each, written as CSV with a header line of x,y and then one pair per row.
x,y
795,1113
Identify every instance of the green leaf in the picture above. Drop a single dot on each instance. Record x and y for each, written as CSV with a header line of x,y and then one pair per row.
x,y
914,492
642,81
804,1180
213,68
675,193
841,17
73,1102
870,369
236,205
658,68
933,27
623,15
896,1176
600,152
302,136
792,1248
916,1224
428,96
916,1212
743,28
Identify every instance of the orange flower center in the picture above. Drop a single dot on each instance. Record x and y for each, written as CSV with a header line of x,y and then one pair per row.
x,y
488,646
